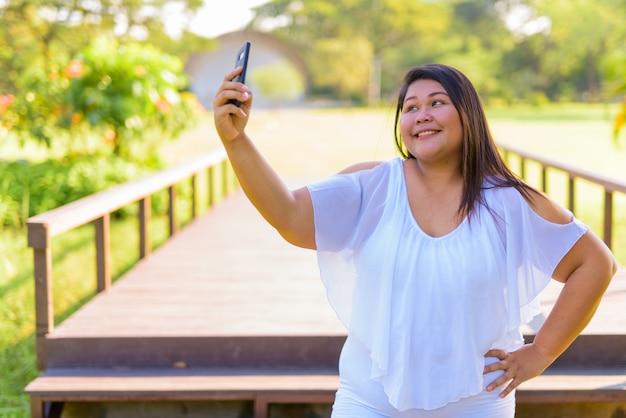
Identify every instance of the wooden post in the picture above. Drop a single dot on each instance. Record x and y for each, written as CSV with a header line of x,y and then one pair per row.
x,y
194,196
225,184
261,407
145,214
171,211
39,241
37,407
211,185
571,193
103,252
608,217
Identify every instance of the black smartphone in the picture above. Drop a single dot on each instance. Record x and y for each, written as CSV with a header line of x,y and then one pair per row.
x,y
241,61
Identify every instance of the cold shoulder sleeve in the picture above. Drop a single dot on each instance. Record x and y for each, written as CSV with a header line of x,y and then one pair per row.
x,y
534,247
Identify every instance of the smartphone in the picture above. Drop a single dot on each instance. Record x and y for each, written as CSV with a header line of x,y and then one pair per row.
x,y
241,61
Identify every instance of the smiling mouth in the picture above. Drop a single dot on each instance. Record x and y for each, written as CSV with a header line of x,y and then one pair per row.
x,y
424,133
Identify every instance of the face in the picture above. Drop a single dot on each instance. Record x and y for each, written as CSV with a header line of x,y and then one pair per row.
x,y
430,124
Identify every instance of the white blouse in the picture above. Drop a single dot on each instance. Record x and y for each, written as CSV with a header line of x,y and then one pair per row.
x,y
427,308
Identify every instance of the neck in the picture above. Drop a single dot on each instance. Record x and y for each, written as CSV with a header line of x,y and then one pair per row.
x,y
437,176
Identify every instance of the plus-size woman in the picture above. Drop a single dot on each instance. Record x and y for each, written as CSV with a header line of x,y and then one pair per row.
x,y
432,260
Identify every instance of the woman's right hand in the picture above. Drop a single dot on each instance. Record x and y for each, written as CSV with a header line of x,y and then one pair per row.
x,y
230,120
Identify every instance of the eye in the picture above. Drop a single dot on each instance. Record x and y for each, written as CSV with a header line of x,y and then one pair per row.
x,y
437,102
410,108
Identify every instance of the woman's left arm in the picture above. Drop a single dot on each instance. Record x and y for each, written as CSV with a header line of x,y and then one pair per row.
x,y
586,271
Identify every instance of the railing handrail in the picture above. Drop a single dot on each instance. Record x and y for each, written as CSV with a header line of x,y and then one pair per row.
x,y
82,211
609,184
97,209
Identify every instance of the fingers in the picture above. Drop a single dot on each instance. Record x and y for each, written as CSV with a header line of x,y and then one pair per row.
x,y
515,367
231,92
234,73
503,365
231,107
496,352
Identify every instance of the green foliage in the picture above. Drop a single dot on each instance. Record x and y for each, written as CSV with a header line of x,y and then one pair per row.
x,y
27,189
36,32
128,93
48,47
350,77
132,93
513,50
582,34
278,81
342,39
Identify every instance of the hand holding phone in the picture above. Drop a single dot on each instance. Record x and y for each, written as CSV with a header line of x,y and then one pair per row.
x,y
241,61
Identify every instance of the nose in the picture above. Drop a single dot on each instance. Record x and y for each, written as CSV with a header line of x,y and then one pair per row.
x,y
423,115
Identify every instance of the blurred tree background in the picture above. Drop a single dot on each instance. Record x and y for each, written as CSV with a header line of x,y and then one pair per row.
x,y
515,51
104,77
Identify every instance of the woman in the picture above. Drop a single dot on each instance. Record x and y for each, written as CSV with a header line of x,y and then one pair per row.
x,y
433,261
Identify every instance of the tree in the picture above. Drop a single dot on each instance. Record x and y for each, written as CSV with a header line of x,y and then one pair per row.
x,y
42,36
133,93
129,94
580,35
475,42
45,33
278,81
351,36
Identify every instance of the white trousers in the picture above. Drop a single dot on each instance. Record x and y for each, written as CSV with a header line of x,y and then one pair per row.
x,y
361,397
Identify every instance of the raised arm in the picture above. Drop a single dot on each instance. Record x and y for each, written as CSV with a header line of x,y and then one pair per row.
x,y
290,212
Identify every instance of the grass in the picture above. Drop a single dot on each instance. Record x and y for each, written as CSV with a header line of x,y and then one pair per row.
x,y
301,144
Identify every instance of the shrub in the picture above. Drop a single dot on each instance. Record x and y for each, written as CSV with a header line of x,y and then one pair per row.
x,y
33,188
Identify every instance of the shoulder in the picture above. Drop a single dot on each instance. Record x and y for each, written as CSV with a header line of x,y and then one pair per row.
x,y
365,165
547,208
540,203
355,177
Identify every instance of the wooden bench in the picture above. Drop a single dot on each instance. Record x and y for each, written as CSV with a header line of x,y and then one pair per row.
x,y
264,387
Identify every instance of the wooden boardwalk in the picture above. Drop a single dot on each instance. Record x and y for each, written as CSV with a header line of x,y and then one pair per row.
x,y
227,292
230,274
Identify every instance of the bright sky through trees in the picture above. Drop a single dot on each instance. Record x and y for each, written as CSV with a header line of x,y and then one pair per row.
x,y
213,19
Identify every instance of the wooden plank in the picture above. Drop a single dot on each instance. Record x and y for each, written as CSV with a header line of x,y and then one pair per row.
x,y
180,384
575,385
227,351
280,386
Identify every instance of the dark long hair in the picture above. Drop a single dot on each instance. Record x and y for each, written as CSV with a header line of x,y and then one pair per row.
x,y
481,159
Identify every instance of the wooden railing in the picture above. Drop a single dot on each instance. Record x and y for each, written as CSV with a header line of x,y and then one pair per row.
x,y
609,185
97,209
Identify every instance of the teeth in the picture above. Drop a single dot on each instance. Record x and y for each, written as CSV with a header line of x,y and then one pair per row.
x,y
426,133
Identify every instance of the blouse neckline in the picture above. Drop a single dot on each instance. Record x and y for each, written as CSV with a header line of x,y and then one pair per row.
x,y
406,206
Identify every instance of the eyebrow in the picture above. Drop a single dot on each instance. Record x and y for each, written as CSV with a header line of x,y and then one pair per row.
x,y
434,93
